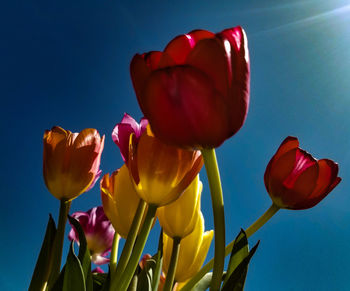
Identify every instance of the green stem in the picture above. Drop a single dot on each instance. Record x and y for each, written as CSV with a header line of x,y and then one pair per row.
x,y
262,220
159,263
58,242
170,276
130,241
114,253
249,232
129,271
213,174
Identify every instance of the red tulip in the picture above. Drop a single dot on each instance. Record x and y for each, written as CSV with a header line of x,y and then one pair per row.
x,y
296,180
196,92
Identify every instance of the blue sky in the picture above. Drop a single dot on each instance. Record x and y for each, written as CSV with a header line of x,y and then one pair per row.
x,y
66,63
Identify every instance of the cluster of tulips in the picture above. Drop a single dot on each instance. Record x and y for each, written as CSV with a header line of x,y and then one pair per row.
x,y
194,95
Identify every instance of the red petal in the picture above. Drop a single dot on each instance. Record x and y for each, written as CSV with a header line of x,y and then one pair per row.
x,y
183,107
236,47
152,59
209,56
181,46
287,145
199,34
279,169
327,180
140,72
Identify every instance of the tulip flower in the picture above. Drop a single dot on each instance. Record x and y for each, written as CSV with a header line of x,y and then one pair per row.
x,y
179,218
98,231
296,180
119,199
71,161
195,93
122,131
193,250
161,172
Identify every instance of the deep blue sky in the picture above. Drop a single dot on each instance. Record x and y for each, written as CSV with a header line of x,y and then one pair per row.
x,y
67,63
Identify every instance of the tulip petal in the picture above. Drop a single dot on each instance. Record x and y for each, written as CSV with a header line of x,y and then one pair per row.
x,y
287,145
157,179
121,134
327,180
201,255
210,57
179,218
179,48
302,188
278,172
140,72
187,102
199,34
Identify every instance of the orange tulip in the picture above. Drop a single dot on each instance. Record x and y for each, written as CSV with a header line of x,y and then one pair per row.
x,y
71,161
161,172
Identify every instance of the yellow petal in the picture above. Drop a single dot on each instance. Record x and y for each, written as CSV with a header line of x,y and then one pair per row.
x,y
179,218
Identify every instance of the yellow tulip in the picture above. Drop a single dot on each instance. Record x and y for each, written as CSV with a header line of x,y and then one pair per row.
x,y
193,250
179,218
71,161
161,172
119,200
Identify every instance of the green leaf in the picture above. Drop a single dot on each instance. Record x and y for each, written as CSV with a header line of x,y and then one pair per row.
x,y
43,265
235,280
98,280
84,253
73,275
107,282
133,284
144,279
203,283
239,251
58,286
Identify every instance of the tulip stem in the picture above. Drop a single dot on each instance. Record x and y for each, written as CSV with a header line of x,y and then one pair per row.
x,y
249,232
114,253
123,283
130,241
262,220
213,174
170,276
58,242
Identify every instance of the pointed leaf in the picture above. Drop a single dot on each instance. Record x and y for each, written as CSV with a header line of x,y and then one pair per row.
x,y
144,278
239,251
133,284
236,281
84,253
43,265
73,275
203,283
58,286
